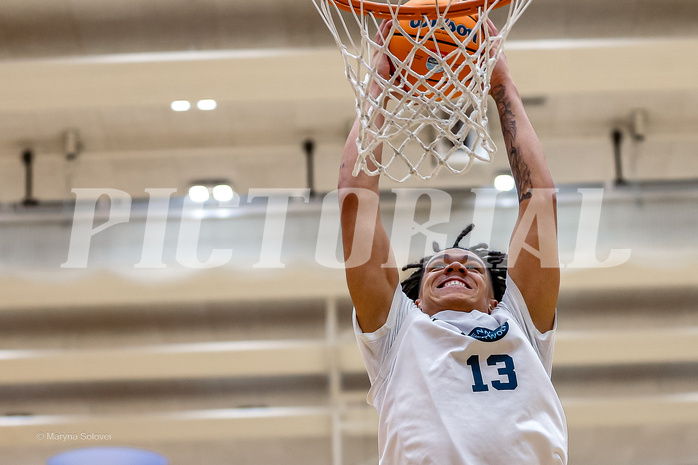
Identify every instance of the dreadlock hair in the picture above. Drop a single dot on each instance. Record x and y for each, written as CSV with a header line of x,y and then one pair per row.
x,y
494,260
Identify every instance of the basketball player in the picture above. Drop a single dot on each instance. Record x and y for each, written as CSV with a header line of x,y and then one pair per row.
x,y
460,372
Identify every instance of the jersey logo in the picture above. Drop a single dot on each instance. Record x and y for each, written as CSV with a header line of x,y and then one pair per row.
x,y
490,335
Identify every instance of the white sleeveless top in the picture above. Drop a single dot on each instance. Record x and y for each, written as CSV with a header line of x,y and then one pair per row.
x,y
464,387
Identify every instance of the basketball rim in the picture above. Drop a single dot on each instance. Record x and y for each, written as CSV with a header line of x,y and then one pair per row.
x,y
390,11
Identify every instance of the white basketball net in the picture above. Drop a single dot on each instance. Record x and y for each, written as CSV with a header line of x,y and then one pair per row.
x,y
427,125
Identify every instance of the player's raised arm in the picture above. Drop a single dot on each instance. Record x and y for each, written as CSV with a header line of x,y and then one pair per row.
x,y
533,255
372,275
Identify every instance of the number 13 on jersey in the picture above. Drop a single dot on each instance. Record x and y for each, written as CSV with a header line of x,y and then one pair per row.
x,y
505,368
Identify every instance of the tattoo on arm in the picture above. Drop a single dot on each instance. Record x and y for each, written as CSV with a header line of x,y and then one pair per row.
x,y
522,174
519,168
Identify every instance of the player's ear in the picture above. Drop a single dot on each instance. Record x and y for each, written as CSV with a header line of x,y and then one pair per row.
x,y
493,304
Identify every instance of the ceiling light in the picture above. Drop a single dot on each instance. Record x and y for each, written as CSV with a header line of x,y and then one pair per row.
x,y
223,193
206,104
198,193
220,189
504,182
180,105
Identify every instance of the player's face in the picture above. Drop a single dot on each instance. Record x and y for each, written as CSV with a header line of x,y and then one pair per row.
x,y
455,279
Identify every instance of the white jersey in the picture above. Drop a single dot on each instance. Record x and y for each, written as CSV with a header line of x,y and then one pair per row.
x,y
464,387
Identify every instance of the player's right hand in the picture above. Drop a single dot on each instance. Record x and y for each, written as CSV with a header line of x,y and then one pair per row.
x,y
380,61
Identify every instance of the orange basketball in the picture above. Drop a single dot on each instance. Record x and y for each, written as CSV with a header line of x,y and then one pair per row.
x,y
439,42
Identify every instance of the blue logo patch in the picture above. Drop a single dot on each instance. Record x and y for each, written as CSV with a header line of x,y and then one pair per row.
x,y
490,335
432,64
